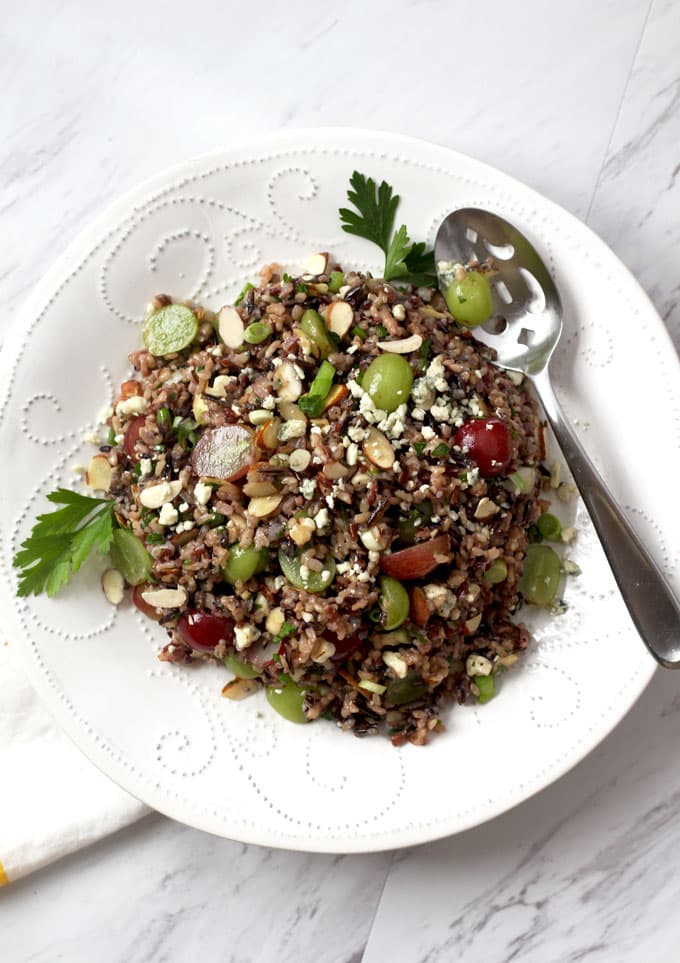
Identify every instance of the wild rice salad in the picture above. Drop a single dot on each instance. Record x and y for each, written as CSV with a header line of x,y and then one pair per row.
x,y
331,488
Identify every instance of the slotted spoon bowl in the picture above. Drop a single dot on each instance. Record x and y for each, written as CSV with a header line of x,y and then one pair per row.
x,y
524,333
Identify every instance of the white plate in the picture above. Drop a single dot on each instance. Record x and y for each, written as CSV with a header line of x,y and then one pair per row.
x,y
165,733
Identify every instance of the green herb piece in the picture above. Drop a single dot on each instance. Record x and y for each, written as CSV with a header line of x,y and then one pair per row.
x,y
441,451
155,538
373,219
381,331
287,278
164,418
111,437
358,332
419,447
337,279
257,332
301,289
424,354
61,540
312,403
286,629
244,290
487,689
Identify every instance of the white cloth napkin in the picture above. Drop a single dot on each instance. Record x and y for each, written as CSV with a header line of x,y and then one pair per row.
x,y
52,799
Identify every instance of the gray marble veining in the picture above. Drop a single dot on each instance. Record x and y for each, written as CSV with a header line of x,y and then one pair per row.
x,y
159,891
580,100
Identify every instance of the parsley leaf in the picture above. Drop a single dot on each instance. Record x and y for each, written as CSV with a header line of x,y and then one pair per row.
x,y
373,219
61,540
286,629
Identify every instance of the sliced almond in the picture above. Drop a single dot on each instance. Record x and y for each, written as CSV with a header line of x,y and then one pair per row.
x,y
471,626
290,412
264,506
316,264
166,598
299,459
200,409
301,530
378,449
113,586
322,651
259,489
402,346
230,327
156,495
286,382
268,435
335,470
486,509
239,689
339,317
335,396
99,472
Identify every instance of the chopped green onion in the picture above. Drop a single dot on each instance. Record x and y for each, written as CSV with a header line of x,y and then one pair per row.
x,y
186,432
549,526
358,332
244,290
111,437
155,538
257,332
164,418
337,280
487,689
381,331
372,686
441,451
523,480
312,403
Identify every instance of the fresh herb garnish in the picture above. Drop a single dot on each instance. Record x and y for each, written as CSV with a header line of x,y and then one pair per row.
x,y
358,332
381,331
419,447
111,437
441,451
155,538
373,219
286,629
61,540
287,278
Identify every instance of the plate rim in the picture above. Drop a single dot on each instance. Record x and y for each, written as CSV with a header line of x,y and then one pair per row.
x,y
86,240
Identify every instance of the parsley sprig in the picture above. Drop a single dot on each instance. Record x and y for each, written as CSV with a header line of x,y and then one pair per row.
x,y
61,540
373,219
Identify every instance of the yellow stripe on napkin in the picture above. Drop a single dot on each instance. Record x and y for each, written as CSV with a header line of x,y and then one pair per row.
x,y
3,876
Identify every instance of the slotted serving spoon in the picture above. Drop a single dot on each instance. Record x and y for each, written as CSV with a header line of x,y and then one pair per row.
x,y
524,333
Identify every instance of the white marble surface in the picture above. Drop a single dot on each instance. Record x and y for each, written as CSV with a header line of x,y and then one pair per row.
x,y
579,100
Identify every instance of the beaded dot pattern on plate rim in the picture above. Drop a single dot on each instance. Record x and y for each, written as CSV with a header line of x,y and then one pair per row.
x,y
233,769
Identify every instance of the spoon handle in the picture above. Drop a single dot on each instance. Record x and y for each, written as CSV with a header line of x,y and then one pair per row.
x,y
651,603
